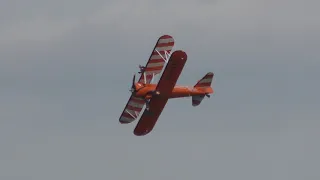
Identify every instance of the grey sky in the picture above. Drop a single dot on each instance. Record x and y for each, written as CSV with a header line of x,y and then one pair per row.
x,y
66,69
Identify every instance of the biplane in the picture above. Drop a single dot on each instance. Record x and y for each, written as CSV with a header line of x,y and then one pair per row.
x,y
154,96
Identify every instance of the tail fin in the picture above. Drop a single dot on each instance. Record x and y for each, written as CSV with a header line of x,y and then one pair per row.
x,y
205,85
205,81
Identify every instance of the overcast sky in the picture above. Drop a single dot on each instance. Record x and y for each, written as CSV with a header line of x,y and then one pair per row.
x,y
66,69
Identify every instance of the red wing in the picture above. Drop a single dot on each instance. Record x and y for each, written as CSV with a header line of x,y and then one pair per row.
x,y
131,110
155,63
165,86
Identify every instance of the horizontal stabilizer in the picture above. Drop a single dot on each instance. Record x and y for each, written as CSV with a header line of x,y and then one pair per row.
x,y
196,100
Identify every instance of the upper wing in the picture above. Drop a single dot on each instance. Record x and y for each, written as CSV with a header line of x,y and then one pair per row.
x,y
131,110
153,67
156,61
165,86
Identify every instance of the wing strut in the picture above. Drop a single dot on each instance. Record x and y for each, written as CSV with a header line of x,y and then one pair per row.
x,y
166,54
152,78
131,114
145,78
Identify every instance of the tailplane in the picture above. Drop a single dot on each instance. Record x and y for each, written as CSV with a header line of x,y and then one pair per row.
x,y
196,100
203,84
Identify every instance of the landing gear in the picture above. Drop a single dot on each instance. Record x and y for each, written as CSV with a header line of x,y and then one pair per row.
x,y
149,95
208,95
147,104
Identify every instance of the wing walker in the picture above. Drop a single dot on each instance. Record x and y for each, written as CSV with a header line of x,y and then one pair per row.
x,y
154,96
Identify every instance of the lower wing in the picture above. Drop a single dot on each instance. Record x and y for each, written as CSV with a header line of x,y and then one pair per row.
x,y
165,86
131,110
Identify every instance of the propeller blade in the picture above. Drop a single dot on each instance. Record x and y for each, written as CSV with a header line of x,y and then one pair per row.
x,y
133,81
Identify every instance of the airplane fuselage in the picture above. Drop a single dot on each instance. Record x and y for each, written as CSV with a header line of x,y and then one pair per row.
x,y
148,90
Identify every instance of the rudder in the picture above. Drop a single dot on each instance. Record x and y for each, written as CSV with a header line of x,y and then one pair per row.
x,y
205,85
205,81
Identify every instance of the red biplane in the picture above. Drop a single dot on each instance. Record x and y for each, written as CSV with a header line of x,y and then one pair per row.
x,y
155,95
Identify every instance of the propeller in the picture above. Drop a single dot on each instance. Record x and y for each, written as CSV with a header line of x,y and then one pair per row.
x,y
133,87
